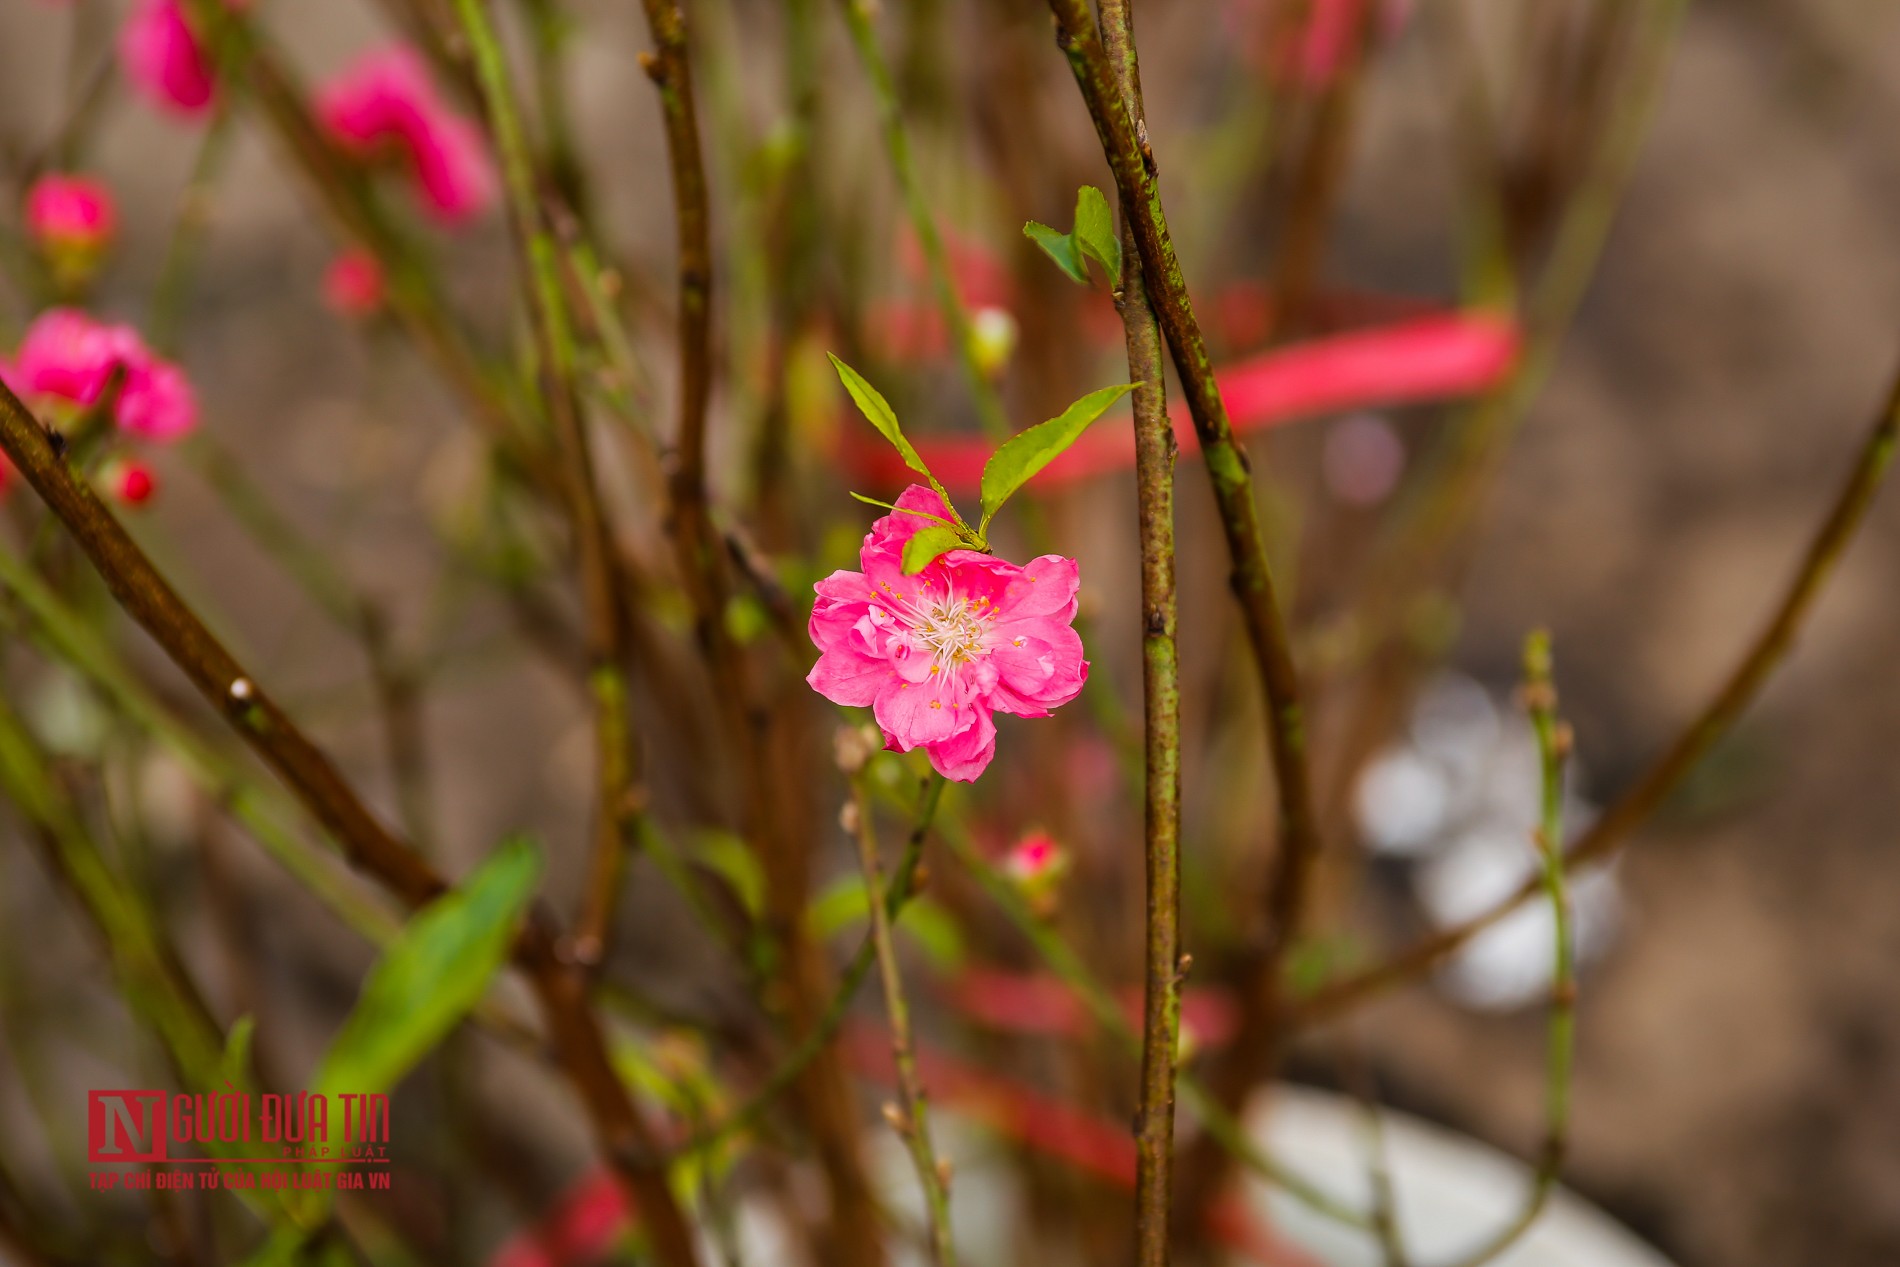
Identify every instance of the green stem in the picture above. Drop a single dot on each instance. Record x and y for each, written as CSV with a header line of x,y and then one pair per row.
x,y
607,643
912,1121
1553,747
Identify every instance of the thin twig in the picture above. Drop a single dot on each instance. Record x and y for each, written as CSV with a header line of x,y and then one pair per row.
x,y
1553,750
1608,832
1125,144
792,1067
607,642
911,1121
1164,964
149,599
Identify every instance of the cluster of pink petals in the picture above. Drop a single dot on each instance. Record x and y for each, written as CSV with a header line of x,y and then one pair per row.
x,y
386,102
935,655
163,60
68,358
68,213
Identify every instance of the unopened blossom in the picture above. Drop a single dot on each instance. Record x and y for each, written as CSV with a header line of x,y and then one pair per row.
x,y
1037,865
163,60
67,358
133,483
386,105
70,216
936,655
353,284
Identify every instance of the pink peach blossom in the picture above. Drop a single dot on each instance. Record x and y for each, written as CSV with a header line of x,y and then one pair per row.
x,y
353,284
386,102
70,213
935,655
67,357
163,60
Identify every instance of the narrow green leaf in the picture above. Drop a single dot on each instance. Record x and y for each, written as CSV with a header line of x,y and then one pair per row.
x,y
235,1066
926,545
1025,453
1061,248
737,865
882,416
1095,231
436,969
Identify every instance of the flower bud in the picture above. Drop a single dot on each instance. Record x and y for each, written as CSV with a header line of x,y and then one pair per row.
x,y
72,221
993,339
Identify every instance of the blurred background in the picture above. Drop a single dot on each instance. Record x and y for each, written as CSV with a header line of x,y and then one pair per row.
x,y
1735,1095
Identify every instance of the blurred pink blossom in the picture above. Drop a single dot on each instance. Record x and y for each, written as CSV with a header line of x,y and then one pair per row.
x,y
936,654
386,103
70,213
163,60
353,284
68,357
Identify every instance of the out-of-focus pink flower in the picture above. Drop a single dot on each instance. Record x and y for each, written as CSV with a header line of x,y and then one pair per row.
x,y
936,654
163,60
386,103
353,284
133,483
1033,857
70,214
67,357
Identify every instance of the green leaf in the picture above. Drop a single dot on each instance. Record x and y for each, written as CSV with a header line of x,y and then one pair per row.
x,y
926,544
873,406
234,1066
735,863
436,969
1027,452
1060,247
1095,231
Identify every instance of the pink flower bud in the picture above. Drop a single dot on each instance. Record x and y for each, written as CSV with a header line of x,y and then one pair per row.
x,y
163,60
1034,857
134,484
70,213
353,285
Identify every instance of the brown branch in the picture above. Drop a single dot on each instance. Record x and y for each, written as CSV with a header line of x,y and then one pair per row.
x,y
1161,709
366,842
1608,832
776,794
1125,145
607,641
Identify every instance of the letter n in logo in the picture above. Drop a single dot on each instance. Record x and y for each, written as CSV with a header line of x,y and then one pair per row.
x,y
125,1126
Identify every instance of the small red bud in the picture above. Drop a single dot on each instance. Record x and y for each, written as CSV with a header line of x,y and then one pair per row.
x,y
135,484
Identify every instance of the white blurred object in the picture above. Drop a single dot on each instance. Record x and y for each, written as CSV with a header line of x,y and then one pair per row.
x,y
1459,800
1451,1194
